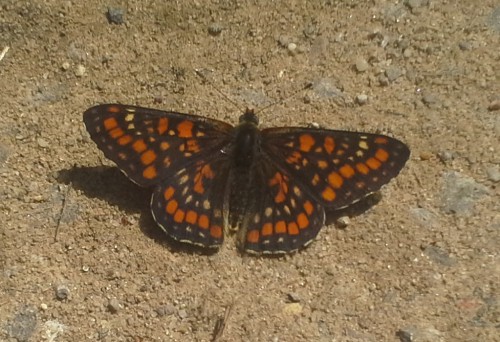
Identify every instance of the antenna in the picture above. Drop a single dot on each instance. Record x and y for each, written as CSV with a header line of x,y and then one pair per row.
x,y
308,85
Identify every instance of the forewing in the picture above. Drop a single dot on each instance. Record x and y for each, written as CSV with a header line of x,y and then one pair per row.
x,y
188,206
148,144
337,168
284,218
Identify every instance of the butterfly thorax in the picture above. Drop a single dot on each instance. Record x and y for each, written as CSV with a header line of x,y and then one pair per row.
x,y
244,154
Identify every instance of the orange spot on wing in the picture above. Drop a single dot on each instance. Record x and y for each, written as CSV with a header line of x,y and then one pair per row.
x,y
328,194
308,207
382,155
362,168
185,129
110,123
172,206
302,221
126,139
148,157
164,145
113,109
280,227
347,171
203,221
381,140
139,146
253,236
191,217
216,232
150,172
322,164
293,228
167,194
373,163
267,229
294,158
192,146
329,145
279,180
335,180
306,142
162,125
205,172
179,215
115,133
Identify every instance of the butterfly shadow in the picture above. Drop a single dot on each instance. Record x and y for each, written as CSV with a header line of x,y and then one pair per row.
x,y
111,185
355,209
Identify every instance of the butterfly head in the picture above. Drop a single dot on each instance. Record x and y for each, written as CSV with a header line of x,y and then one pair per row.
x,y
249,117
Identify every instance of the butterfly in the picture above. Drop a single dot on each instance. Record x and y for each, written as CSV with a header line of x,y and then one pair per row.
x,y
271,186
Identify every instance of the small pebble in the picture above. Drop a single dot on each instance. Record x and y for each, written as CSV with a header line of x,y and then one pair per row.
x,y
114,305
214,29
445,156
44,306
426,155
493,173
80,70
429,99
291,47
85,268
343,221
464,46
494,105
362,99
62,292
293,297
115,16
292,309
42,142
361,64
65,66
165,310
393,73
182,313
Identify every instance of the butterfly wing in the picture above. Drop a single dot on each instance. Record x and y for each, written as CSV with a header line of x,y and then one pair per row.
x,y
148,145
180,153
336,168
189,206
283,217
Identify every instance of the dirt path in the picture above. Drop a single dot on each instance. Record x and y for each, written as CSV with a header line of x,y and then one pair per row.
x,y
421,265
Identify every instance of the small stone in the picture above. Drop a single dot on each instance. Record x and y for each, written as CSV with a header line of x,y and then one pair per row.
x,y
42,143
460,193
494,105
214,29
283,41
426,155
383,80
85,268
430,99
165,310
65,66
361,64
182,313
291,47
343,221
493,173
419,334
464,46
115,16
293,297
80,70
439,255
292,309
393,73
362,99
44,306
62,292
445,156
114,305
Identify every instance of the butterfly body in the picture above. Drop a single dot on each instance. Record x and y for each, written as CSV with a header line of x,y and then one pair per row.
x,y
272,185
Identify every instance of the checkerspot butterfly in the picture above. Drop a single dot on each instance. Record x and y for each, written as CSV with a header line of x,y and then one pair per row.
x,y
271,185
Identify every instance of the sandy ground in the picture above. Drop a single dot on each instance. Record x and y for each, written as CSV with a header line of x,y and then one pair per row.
x,y
421,265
